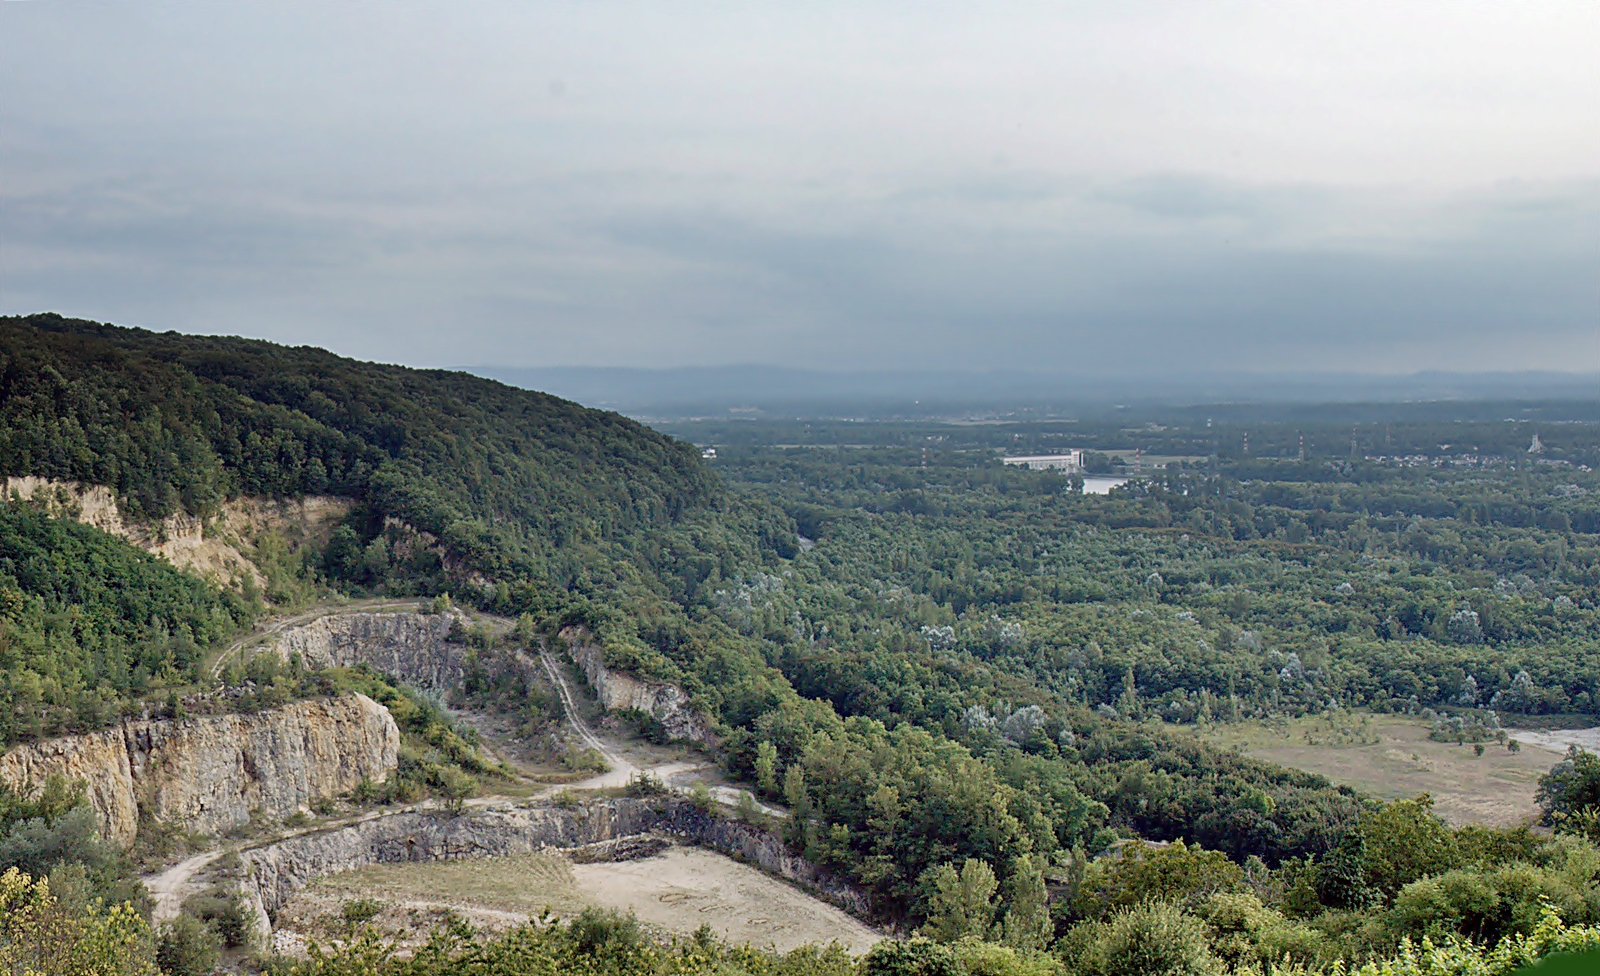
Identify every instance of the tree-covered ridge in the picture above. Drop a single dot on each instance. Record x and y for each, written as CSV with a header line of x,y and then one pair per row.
x,y
504,478
88,623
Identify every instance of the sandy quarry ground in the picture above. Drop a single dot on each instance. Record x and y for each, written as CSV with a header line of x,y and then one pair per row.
x,y
676,892
1559,740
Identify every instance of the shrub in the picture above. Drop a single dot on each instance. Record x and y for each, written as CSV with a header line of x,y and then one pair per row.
x,y
187,948
960,905
228,914
1153,939
597,929
360,911
916,957
645,783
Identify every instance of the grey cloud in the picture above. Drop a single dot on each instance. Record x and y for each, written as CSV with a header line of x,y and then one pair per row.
x,y
402,184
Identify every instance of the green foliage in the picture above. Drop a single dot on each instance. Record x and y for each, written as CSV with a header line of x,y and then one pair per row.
x,y
226,913
1178,874
1027,921
1569,793
766,767
1243,932
960,905
41,935
360,911
187,948
56,833
88,622
435,756
1151,939
1404,841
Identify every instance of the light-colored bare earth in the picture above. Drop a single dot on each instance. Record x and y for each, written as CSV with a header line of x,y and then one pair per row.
x,y
686,887
211,549
1559,740
1391,757
169,888
676,891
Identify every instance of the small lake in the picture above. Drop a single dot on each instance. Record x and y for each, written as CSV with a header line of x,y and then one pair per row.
x,y
1094,485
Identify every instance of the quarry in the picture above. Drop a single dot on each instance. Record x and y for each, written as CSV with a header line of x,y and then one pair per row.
x,y
251,786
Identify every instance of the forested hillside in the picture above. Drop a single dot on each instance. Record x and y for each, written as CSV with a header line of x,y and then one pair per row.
x,y
507,480
505,497
88,623
960,678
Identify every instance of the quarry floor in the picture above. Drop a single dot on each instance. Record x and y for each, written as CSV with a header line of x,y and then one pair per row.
x,y
675,892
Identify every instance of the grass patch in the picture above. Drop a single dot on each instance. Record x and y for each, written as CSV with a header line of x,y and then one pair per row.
x,y
527,883
1391,756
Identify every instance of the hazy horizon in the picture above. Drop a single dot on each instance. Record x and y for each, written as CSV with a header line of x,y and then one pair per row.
x,y
1113,188
759,390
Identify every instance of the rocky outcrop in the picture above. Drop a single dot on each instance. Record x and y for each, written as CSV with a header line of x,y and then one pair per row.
x,y
94,505
619,692
210,549
408,646
212,773
276,871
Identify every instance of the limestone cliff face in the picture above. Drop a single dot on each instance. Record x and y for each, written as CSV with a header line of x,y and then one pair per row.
x,y
100,759
410,647
617,692
211,773
209,549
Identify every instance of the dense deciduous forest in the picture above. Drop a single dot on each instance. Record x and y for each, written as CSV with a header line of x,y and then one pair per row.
x,y
965,680
89,624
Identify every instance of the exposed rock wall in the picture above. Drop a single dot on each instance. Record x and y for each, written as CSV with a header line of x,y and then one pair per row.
x,y
208,550
276,871
408,646
616,692
211,773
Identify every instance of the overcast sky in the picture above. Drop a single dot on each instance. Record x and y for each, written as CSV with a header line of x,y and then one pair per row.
x,y
1383,186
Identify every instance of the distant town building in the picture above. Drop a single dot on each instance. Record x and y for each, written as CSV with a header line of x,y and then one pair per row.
x,y
1535,447
1066,461
709,453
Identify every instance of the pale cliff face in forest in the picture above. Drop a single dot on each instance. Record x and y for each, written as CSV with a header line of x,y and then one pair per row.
x,y
214,772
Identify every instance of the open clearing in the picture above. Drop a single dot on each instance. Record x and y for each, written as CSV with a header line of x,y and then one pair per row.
x,y
676,891
1391,756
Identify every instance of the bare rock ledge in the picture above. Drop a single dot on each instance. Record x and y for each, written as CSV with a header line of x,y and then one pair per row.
x,y
211,773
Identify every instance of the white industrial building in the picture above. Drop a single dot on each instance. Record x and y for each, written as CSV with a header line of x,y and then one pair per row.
x,y
1065,461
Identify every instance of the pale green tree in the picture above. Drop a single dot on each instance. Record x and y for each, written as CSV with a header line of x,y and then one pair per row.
x,y
1027,922
767,767
961,905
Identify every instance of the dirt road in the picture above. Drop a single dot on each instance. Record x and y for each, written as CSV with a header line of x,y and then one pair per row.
x,y
171,887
